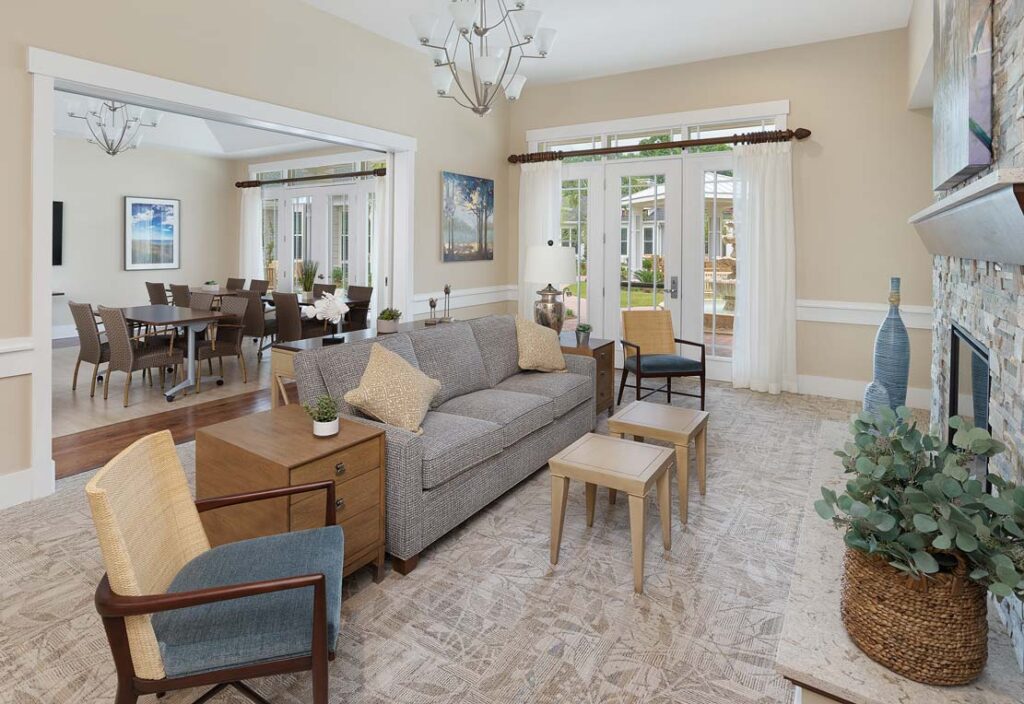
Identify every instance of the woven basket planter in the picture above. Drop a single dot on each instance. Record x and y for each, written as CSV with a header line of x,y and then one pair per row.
x,y
933,631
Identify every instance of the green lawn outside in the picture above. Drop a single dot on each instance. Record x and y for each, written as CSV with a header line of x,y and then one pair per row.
x,y
638,297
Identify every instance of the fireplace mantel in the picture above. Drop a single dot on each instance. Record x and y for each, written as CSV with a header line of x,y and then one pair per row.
x,y
984,220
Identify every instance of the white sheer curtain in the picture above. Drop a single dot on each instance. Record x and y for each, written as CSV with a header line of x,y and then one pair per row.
x,y
540,212
764,346
381,264
250,238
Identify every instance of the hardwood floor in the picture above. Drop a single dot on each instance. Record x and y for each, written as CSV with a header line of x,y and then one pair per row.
x,y
88,449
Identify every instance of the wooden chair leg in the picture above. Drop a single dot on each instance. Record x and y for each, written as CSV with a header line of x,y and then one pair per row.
x,y
702,390
199,373
622,384
127,386
669,380
639,379
209,363
245,372
92,386
74,377
106,383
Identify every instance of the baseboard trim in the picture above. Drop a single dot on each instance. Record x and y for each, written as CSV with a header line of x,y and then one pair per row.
x,y
853,390
20,486
464,298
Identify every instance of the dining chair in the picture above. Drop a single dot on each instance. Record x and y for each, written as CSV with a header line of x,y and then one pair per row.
x,y
132,353
181,296
289,317
357,316
320,289
91,347
256,324
200,301
157,294
360,293
226,340
259,285
179,614
235,284
649,351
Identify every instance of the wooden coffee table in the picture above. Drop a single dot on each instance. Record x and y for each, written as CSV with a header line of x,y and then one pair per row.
x,y
679,426
620,465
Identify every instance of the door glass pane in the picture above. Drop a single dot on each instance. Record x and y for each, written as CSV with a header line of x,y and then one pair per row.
x,y
719,262
726,130
270,210
340,240
302,210
642,226
656,137
574,235
573,145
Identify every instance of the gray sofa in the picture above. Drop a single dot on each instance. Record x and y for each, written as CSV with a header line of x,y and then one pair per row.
x,y
490,426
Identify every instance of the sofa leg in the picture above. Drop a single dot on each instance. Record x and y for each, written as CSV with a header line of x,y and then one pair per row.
x,y
404,567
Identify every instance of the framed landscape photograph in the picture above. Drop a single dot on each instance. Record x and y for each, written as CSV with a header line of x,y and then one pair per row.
x,y
151,233
467,218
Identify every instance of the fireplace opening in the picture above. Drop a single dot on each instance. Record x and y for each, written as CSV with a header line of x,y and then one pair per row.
x,y
969,388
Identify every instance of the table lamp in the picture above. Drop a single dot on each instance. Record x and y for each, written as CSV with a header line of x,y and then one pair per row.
x,y
551,265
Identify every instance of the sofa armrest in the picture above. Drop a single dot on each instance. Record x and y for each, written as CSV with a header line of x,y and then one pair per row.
x,y
404,478
581,364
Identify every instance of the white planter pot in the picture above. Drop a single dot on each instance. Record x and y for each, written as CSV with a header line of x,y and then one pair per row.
x,y
326,429
386,326
211,287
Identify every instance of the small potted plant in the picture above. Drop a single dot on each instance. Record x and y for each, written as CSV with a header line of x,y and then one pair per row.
x,y
324,412
387,321
308,269
583,334
211,286
924,542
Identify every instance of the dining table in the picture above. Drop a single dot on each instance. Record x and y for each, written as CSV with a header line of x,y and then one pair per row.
x,y
306,298
218,292
193,321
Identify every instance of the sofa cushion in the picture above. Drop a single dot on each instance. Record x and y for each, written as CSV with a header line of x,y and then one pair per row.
x,y
496,337
662,364
452,444
257,628
449,353
568,390
393,391
518,414
342,366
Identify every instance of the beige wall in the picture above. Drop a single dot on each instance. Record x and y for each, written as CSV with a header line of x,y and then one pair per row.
x,y
864,170
93,186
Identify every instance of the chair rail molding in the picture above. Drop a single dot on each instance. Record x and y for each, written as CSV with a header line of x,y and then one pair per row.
x,y
464,298
860,313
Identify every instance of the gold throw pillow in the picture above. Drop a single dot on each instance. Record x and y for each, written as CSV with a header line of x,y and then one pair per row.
x,y
539,348
393,391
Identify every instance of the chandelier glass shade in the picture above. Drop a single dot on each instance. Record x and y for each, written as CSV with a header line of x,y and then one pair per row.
x,y
492,52
115,127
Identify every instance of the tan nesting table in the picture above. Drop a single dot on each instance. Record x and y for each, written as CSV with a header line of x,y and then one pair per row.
x,y
678,426
620,465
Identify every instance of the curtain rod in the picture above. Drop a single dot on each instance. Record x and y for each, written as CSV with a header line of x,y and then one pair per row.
x,y
746,138
299,179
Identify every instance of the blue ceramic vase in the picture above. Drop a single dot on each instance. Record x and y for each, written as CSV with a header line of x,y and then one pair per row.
x,y
892,358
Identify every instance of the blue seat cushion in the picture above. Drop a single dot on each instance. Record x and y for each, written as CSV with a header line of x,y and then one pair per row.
x,y
663,364
252,629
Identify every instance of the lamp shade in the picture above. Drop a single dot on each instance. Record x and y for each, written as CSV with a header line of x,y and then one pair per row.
x,y
527,21
423,24
515,87
544,40
442,78
488,68
464,12
549,265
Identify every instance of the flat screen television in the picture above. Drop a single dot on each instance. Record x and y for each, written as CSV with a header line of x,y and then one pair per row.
x,y
58,232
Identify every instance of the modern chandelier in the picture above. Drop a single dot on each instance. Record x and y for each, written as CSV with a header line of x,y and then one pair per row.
x,y
115,127
495,51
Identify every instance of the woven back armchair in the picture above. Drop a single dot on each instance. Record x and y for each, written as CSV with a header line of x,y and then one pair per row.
x,y
649,348
255,322
259,285
181,296
321,289
157,293
226,341
91,347
133,353
235,284
174,610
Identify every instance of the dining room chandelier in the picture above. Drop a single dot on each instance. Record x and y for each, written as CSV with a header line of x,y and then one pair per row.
x,y
492,52
115,127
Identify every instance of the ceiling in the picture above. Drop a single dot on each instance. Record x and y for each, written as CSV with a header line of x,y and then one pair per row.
x,y
190,134
603,37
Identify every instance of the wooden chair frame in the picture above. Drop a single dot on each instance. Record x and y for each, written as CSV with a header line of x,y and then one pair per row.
x,y
113,608
667,387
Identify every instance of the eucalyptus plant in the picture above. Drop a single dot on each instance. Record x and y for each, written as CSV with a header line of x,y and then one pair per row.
x,y
323,409
911,500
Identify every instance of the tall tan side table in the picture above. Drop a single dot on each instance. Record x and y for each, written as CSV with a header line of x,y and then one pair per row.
x,y
620,465
679,426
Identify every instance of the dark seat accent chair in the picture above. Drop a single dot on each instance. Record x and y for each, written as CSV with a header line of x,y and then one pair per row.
x,y
259,285
255,323
235,284
181,296
649,352
91,347
179,614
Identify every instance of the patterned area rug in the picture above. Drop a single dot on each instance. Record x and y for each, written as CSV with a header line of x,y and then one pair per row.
x,y
485,618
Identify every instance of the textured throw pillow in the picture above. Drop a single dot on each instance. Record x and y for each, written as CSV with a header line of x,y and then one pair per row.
x,y
393,391
539,348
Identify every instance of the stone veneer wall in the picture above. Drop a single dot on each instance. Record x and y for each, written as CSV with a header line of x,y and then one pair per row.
x,y
987,298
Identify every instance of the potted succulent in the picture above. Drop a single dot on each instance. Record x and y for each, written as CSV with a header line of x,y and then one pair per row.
x,y
324,412
387,320
583,334
307,272
924,541
211,286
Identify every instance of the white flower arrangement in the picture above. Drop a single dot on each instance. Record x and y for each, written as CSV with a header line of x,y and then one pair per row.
x,y
330,307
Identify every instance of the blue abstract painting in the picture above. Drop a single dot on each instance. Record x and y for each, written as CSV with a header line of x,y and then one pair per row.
x,y
151,233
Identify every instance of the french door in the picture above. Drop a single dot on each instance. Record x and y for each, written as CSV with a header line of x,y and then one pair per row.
x,y
654,233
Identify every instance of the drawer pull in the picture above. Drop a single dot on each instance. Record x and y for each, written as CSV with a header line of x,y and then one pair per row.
x,y
339,469
339,504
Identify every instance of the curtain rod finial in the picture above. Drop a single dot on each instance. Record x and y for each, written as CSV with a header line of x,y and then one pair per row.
x,y
801,133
